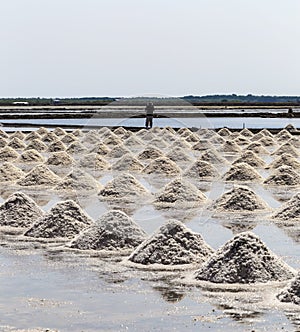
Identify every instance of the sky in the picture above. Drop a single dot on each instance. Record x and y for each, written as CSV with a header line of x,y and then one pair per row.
x,y
76,48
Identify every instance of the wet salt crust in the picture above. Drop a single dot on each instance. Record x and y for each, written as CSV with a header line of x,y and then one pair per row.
x,y
289,211
64,220
172,246
179,193
244,259
291,294
113,232
239,199
19,210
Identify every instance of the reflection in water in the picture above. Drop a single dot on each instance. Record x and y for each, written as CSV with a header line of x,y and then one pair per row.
x,y
291,228
240,224
169,294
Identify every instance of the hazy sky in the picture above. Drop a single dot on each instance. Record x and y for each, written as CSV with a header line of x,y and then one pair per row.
x,y
134,47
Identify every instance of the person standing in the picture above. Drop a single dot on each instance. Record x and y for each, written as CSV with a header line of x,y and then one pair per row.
x,y
149,115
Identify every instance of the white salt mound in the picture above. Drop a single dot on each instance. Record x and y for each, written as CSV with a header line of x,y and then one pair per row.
x,y
251,159
59,131
242,141
19,210
286,148
133,141
49,137
10,173
150,152
212,156
118,151
94,161
201,170
100,149
244,259
68,139
3,134
266,141
230,147
76,148
202,145
128,163
8,154
78,180
160,143
32,135
246,132
239,199
162,166
37,144
285,160
57,146
291,294
3,142
178,155
224,132
31,156
42,131
64,220
289,210
184,132
257,148
38,176
178,193
283,176
112,140
60,158
241,172
172,244
124,186
18,134
16,144
114,231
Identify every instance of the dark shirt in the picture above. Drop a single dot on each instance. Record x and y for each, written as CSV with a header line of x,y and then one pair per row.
x,y
149,109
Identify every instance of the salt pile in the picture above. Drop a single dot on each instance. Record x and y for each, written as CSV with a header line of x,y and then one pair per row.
x,y
150,152
57,146
120,131
265,132
192,138
124,186
49,137
94,161
179,155
16,144
180,144
201,170
224,132
77,133
39,175
112,141
42,131
162,166
159,143
133,141
291,294
3,142
286,148
213,157
216,139
266,141
283,176
184,132
118,151
128,163
60,158
64,220
239,199
37,145
172,244
68,139
19,210
3,134
241,172
230,147
287,160
78,180
100,149
18,134
59,131
289,210
251,159
295,142
179,193
91,137
32,135
242,141
202,145
256,148
8,154
76,148
244,259
114,232
145,135
246,132
283,135
10,173
31,156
